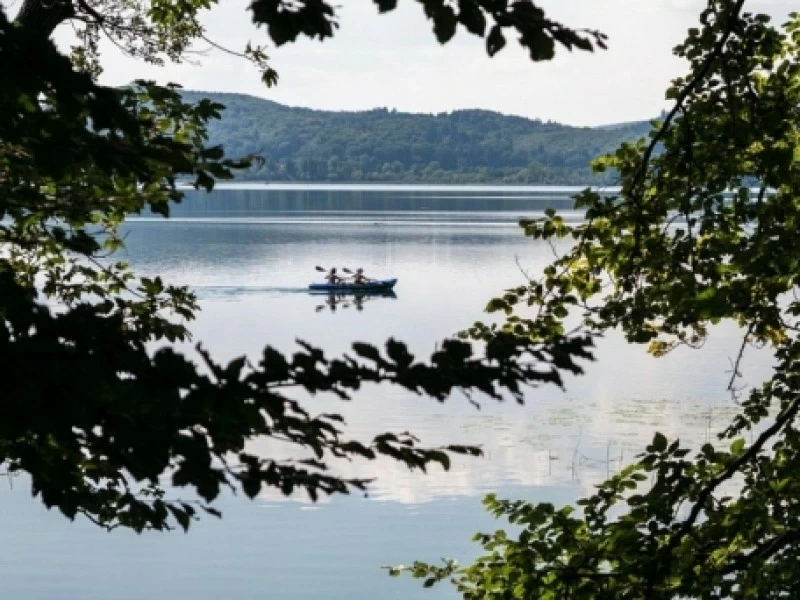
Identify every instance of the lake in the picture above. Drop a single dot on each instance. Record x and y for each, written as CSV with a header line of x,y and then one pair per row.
x,y
249,253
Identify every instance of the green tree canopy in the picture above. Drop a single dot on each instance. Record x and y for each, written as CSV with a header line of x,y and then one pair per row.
x,y
100,423
464,146
703,230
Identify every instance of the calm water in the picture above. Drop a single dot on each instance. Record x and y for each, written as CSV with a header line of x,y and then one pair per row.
x,y
249,254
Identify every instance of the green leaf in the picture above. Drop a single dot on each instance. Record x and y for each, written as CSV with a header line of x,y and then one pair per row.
x,y
659,443
472,17
495,41
386,5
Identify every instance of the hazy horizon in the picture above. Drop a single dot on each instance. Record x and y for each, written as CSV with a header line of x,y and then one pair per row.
x,y
412,112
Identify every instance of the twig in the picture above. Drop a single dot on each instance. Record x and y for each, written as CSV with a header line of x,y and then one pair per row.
x,y
764,550
786,416
639,175
522,269
735,364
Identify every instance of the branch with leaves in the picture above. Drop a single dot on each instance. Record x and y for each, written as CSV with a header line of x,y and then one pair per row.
x,y
701,232
100,423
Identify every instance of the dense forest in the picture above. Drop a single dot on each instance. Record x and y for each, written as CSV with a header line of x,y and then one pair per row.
x,y
464,146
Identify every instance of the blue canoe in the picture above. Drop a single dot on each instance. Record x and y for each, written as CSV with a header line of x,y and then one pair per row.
x,y
377,285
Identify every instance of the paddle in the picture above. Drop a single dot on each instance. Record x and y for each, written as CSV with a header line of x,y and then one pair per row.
x,y
349,272
323,270
344,270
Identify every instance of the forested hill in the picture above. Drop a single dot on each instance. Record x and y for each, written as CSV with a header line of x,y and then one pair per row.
x,y
464,146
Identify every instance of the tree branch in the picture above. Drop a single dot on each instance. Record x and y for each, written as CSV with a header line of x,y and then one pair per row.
x,y
782,419
639,175
763,551
43,15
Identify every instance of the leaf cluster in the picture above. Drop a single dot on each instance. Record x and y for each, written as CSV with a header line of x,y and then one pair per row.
x,y
702,231
103,424
285,21
163,30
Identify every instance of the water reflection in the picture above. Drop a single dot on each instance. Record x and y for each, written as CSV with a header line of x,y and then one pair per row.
x,y
364,202
560,438
354,300
573,442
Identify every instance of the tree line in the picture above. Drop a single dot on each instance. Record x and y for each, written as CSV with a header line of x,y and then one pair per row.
x,y
463,146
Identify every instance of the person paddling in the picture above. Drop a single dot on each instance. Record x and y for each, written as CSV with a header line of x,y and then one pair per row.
x,y
359,276
332,277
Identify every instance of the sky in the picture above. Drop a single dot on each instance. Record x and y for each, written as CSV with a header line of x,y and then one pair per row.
x,y
394,61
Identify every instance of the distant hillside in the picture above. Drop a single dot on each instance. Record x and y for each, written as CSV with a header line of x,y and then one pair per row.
x,y
464,146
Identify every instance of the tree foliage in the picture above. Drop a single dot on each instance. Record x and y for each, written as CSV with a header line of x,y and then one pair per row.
x,y
703,230
161,30
103,424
